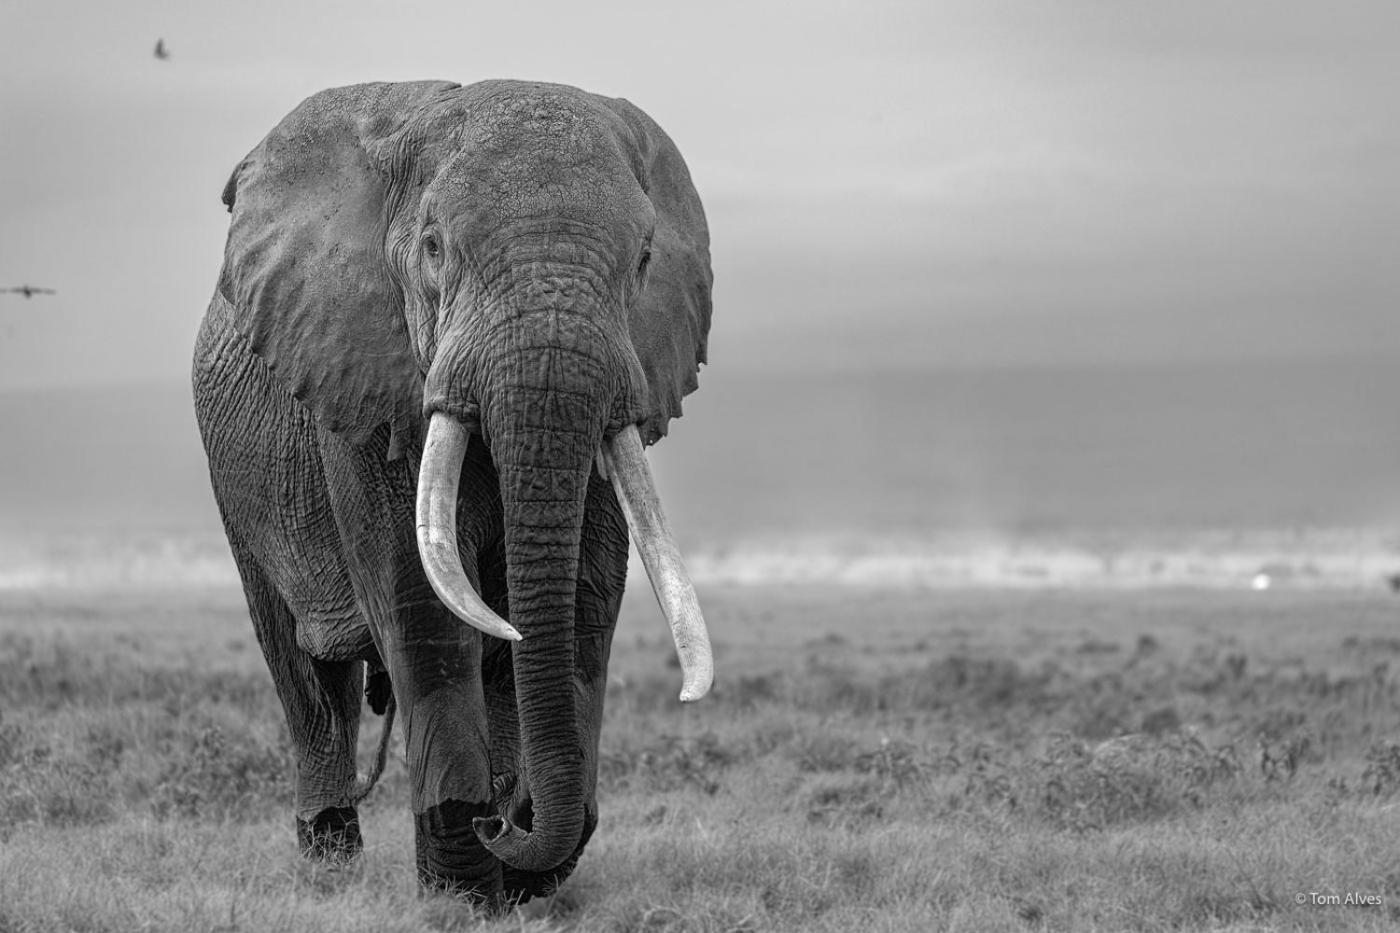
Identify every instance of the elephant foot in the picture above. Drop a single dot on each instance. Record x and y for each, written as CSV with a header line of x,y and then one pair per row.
x,y
452,859
333,835
521,887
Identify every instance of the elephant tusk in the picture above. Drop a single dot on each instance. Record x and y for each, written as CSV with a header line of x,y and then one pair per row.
x,y
636,492
438,475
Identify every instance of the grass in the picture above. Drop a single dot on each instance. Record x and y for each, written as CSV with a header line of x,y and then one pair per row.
x,y
963,761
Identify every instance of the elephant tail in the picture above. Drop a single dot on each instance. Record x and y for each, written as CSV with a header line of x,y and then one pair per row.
x,y
365,784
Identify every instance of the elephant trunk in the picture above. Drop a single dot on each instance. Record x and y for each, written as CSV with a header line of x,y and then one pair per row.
x,y
544,426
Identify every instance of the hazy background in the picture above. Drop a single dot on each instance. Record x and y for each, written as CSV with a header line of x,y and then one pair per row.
x,y
1004,291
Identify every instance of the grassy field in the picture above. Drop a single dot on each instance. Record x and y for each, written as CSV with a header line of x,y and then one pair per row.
x,y
872,761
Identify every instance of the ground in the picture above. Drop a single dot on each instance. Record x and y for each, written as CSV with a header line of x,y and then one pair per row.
x,y
1016,760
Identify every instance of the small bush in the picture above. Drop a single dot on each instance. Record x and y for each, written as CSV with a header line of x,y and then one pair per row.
x,y
846,802
214,775
11,735
669,764
1382,774
1280,757
895,763
822,750
1134,778
41,785
748,692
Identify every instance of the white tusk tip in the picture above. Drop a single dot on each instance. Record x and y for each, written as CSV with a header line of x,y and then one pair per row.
x,y
691,694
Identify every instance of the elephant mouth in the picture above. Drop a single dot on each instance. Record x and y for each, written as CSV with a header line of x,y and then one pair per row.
x,y
622,461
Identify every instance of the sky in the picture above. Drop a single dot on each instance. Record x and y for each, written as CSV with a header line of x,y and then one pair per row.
x,y
888,184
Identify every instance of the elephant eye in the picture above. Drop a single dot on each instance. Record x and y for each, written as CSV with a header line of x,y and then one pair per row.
x,y
642,265
431,247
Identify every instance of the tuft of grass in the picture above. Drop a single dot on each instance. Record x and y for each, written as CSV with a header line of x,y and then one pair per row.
x,y
1382,773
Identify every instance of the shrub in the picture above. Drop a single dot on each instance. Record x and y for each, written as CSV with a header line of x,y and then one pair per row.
x,y
41,785
214,775
1382,774
669,764
1133,778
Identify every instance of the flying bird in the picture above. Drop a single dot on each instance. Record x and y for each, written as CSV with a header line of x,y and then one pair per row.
x,y
161,53
29,291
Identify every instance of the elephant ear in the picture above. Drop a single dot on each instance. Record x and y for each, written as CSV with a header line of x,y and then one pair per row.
x,y
304,267
670,321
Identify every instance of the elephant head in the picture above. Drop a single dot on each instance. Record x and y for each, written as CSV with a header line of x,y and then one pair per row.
x,y
524,262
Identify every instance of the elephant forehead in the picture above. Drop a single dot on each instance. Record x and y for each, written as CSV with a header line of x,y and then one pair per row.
x,y
476,204
551,122
528,138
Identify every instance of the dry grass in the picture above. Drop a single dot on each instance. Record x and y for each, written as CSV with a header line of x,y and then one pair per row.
x,y
973,761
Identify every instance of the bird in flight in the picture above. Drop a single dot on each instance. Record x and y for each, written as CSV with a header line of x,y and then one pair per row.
x,y
29,291
161,52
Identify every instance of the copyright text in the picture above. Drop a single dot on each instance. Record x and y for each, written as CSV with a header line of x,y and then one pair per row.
x,y
1340,899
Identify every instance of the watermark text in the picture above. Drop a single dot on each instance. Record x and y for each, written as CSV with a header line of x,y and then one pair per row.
x,y
1338,899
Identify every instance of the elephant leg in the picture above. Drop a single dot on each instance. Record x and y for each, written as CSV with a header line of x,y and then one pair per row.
x,y
434,662
321,700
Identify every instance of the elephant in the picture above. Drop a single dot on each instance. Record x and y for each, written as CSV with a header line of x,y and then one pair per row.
x,y
448,322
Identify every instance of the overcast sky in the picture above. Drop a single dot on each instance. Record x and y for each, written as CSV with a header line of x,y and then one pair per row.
x,y
956,183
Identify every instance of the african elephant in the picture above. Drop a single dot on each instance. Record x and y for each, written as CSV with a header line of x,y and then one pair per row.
x,y
448,320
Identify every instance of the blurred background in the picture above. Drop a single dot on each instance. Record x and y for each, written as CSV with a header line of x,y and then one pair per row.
x,y
1091,293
